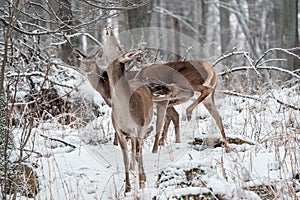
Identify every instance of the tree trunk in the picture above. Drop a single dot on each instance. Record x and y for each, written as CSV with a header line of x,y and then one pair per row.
x,y
203,9
138,18
289,30
65,13
224,28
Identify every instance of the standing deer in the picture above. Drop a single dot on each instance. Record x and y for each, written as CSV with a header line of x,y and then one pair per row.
x,y
198,75
112,49
132,110
98,78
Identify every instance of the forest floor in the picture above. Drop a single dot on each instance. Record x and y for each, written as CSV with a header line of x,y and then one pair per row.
x,y
263,162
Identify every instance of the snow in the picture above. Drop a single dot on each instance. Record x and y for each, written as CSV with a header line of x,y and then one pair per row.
x,y
94,169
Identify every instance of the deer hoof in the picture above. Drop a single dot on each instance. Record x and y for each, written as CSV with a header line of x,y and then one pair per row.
x,y
127,188
154,150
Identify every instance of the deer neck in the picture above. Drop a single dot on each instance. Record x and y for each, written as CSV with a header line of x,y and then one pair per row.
x,y
99,80
119,86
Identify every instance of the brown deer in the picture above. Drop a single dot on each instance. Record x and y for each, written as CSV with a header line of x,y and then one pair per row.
x,y
98,78
132,110
198,75
203,79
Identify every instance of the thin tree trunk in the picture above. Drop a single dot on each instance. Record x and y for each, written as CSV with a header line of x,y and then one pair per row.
x,y
224,27
289,30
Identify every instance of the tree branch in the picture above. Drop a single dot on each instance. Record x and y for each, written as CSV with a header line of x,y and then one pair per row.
x,y
260,67
58,140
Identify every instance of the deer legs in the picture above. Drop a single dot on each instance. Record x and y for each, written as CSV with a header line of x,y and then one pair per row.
x,y
123,144
172,115
161,113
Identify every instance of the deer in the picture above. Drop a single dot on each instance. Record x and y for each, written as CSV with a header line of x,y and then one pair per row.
x,y
98,78
132,110
201,76
198,75
203,79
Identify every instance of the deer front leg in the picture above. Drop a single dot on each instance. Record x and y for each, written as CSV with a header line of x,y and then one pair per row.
x,y
115,139
165,130
123,145
172,115
161,112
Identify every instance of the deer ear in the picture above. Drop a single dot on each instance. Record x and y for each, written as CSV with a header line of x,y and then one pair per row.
x,y
129,56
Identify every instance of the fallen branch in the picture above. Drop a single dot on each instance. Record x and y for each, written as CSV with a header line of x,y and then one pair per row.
x,y
58,140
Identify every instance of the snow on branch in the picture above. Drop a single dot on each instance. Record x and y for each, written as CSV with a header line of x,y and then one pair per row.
x,y
35,73
260,67
288,105
240,95
232,93
75,35
223,57
58,140
287,51
259,64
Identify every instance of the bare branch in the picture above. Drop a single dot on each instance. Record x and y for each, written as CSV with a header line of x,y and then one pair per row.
x,y
287,51
143,3
260,67
257,99
288,105
240,95
58,140
228,55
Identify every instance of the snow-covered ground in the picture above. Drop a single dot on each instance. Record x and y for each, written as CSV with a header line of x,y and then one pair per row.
x,y
94,169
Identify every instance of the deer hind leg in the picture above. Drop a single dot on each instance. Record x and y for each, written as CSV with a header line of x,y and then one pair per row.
x,y
161,113
123,145
142,174
204,94
211,107
172,115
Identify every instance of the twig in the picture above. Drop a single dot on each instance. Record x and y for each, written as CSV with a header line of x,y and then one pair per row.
x,y
288,105
58,140
227,56
35,73
287,51
240,95
260,67
257,99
